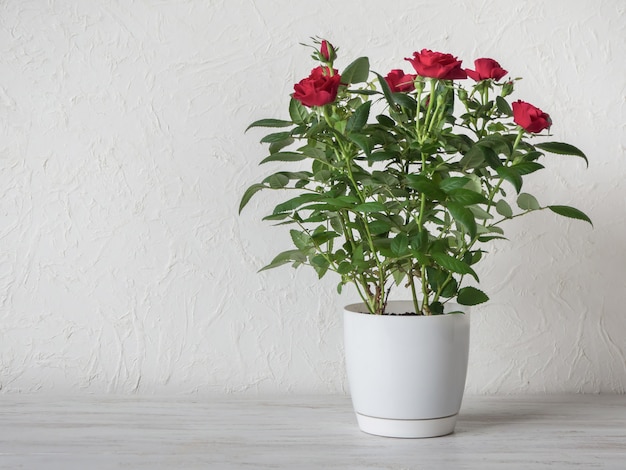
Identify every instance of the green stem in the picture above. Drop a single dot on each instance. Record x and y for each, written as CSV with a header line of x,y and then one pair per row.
x,y
425,293
428,117
413,292
438,111
419,109
495,189
379,296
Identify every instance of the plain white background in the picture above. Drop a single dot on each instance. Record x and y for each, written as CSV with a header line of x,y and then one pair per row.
x,y
124,266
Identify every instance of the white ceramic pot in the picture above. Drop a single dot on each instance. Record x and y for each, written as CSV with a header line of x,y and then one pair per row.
x,y
406,373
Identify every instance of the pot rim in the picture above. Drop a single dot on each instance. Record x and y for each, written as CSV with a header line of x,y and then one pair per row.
x,y
360,308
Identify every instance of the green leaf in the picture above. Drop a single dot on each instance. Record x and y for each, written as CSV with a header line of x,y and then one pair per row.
x,y
281,216
296,202
359,118
490,237
467,197
313,152
386,90
464,216
298,112
247,195
532,156
364,92
436,308
320,264
378,227
362,142
385,178
385,120
269,123
280,179
562,148
480,213
511,175
503,106
425,185
493,229
370,207
357,72
302,240
344,267
452,264
276,137
450,288
341,201
504,209
323,238
454,182
383,246
474,158
400,245
280,144
358,259
277,181
284,258
461,143
471,296
440,280
419,242
491,157
571,212
525,168
284,157
527,202
404,100
398,276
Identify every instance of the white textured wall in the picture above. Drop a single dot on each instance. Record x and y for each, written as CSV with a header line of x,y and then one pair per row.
x,y
123,264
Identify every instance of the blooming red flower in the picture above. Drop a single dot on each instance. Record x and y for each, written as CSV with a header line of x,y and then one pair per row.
x,y
400,81
530,118
319,88
486,69
437,65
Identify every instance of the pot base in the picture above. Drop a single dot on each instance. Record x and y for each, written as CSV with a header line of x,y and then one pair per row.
x,y
406,428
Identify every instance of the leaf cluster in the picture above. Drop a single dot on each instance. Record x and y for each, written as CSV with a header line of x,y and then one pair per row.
x,y
389,189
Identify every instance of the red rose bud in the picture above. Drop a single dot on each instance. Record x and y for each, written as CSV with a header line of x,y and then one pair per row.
x,y
398,81
319,88
530,118
324,50
437,65
486,69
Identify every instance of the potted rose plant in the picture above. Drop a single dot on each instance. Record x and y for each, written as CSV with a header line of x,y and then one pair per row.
x,y
404,180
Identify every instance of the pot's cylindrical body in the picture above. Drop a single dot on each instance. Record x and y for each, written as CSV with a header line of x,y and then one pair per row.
x,y
406,372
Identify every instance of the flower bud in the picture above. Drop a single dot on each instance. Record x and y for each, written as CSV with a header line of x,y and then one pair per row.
x,y
327,51
462,95
507,89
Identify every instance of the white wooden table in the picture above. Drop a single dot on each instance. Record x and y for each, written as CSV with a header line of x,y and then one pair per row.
x,y
296,432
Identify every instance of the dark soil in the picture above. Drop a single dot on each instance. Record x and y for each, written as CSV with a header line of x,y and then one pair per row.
x,y
405,314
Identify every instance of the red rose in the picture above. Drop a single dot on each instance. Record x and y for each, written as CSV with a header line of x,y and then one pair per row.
x,y
399,81
486,69
437,65
324,50
530,118
319,88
